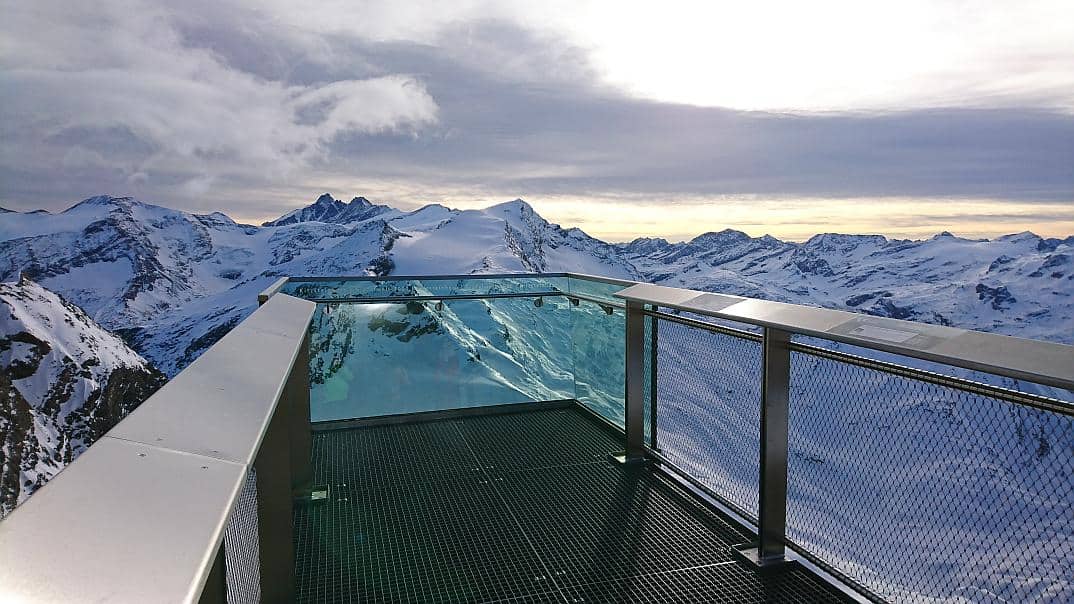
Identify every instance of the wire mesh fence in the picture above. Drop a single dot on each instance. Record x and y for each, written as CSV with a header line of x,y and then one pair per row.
x,y
241,558
922,491
918,488
709,393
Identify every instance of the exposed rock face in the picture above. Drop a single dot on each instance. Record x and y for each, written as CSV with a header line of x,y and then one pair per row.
x,y
64,382
329,210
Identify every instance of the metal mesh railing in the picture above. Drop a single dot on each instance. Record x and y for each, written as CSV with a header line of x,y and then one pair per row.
x,y
241,556
709,392
915,486
924,491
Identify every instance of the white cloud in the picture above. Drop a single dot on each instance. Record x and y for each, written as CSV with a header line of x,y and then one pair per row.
x,y
125,65
257,106
835,54
763,55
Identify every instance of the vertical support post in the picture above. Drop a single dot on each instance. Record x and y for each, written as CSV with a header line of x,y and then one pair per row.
x,y
297,397
635,385
775,401
276,554
653,390
770,548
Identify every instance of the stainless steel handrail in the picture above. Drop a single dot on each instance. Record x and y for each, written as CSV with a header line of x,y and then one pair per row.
x,y
451,277
1036,361
272,290
142,512
1028,399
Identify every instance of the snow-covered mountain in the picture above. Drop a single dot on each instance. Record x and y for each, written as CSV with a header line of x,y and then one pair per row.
x,y
1017,284
64,381
173,282
328,209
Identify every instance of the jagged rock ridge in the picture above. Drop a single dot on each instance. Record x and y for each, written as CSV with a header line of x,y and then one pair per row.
x,y
64,382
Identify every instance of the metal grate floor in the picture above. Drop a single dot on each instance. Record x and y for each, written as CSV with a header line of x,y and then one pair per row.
x,y
517,507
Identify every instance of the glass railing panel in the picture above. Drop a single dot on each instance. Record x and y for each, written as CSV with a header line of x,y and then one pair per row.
x,y
379,359
600,359
349,289
595,289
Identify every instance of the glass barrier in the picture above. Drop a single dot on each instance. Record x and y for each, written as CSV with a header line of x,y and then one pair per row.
x,y
349,289
594,289
373,359
599,357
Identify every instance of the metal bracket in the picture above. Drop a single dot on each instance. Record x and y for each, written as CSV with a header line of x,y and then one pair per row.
x,y
317,494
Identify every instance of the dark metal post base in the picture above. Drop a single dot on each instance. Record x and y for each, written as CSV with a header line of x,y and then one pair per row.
x,y
750,553
623,458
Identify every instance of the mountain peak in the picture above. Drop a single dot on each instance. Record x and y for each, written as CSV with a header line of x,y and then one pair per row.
x,y
515,205
840,241
101,201
1018,237
329,209
721,237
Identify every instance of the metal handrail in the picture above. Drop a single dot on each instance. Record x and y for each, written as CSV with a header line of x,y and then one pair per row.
x,y
452,277
1018,397
1014,396
144,509
271,290
1009,395
1045,363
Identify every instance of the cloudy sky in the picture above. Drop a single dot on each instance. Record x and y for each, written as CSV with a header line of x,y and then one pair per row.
x,y
650,118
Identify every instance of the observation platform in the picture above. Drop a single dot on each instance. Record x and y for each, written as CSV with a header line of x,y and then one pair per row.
x,y
516,506
569,438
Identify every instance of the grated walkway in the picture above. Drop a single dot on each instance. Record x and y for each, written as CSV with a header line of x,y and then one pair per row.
x,y
516,507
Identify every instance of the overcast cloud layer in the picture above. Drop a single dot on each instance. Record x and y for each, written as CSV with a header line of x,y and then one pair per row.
x,y
254,109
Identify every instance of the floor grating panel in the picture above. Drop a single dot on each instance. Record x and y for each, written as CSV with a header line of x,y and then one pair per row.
x,y
514,508
729,583
599,521
522,441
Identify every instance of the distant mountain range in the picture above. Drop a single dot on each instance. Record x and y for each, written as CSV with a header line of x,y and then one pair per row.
x,y
171,282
